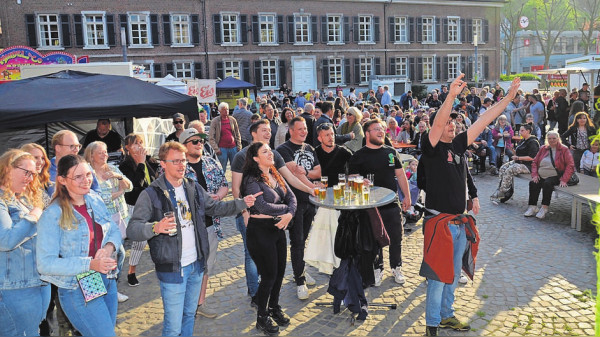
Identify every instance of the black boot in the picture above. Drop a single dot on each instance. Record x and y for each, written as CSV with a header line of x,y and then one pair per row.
x,y
431,331
266,325
278,316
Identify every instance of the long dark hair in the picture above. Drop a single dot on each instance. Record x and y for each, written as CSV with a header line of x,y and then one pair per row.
x,y
251,169
61,194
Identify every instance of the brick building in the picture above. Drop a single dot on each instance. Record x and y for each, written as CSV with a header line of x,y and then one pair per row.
x,y
306,44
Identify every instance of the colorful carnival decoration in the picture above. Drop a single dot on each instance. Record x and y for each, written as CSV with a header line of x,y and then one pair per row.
x,y
12,58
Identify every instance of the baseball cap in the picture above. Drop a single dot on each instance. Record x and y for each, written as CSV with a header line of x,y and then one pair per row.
x,y
453,115
179,115
189,133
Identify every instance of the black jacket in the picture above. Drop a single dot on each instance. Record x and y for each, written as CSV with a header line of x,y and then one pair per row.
x,y
570,137
136,174
528,147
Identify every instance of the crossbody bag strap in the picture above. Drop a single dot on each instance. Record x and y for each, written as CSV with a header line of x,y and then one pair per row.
x,y
552,160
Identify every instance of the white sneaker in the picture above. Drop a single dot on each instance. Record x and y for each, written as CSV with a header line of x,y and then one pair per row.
x,y
309,280
463,278
302,292
531,211
122,297
398,277
542,213
378,277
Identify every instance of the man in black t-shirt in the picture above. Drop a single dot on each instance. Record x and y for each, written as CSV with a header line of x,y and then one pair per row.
x,y
260,132
104,133
333,158
301,159
445,168
384,162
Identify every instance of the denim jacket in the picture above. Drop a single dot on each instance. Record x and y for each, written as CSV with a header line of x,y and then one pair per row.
x,y
62,254
17,247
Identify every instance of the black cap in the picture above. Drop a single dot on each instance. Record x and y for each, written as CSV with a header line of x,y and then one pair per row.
x,y
453,115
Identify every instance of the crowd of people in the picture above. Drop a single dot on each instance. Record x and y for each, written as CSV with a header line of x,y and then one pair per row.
x,y
64,219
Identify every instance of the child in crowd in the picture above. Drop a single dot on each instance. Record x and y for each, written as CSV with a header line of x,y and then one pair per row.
x,y
589,159
411,175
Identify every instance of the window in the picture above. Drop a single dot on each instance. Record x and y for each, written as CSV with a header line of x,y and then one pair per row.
x,y
478,30
94,30
401,66
334,29
139,29
267,29
269,73
302,24
231,68
180,25
453,62
453,30
365,28
401,29
428,68
428,29
366,69
184,69
49,34
335,71
230,28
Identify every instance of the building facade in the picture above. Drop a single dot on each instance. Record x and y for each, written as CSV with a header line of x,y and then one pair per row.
x,y
306,44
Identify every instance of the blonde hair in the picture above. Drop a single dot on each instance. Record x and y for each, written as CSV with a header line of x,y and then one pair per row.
x,y
58,137
172,145
43,177
90,149
356,113
10,160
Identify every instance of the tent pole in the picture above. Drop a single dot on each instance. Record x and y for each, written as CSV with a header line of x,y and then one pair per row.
x,y
582,75
46,139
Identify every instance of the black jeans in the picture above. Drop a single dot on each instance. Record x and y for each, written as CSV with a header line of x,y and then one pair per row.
x,y
545,185
392,220
267,246
298,235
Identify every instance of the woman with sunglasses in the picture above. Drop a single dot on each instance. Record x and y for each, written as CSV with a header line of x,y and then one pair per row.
x,y
353,118
77,235
24,298
141,170
42,168
578,136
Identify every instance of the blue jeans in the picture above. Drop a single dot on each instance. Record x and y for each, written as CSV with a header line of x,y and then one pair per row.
x,y
249,265
226,154
180,301
440,296
97,317
22,310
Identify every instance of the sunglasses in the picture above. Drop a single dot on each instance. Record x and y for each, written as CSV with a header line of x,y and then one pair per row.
x,y
325,126
195,141
177,122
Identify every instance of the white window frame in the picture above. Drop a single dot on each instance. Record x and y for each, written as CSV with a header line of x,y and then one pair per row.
x,y
232,67
336,71
453,75
367,68
130,24
264,31
54,43
233,27
365,29
401,30
270,83
428,35
86,24
401,66
336,27
428,61
457,39
305,32
478,29
185,29
177,69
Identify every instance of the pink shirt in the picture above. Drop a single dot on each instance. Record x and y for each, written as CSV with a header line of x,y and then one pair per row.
x,y
227,141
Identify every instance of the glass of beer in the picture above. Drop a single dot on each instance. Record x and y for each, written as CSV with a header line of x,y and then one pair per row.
x,y
316,190
342,186
355,184
322,193
359,184
171,215
342,178
324,181
347,196
371,179
366,193
337,194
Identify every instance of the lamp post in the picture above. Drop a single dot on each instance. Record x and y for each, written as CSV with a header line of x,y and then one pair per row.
x,y
124,44
475,40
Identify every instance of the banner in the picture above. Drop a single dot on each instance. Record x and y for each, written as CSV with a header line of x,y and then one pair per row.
x,y
12,58
204,90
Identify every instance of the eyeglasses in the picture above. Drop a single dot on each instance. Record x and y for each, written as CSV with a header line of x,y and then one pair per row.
x,y
28,174
376,130
82,177
176,161
177,122
325,126
73,147
195,141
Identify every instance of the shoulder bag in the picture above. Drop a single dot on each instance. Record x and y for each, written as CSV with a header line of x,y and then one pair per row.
x,y
573,180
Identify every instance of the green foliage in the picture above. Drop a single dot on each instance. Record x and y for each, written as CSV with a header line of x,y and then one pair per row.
x,y
548,12
523,76
419,91
480,313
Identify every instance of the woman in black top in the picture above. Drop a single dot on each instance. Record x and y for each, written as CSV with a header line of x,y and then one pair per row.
x,y
577,137
269,217
520,164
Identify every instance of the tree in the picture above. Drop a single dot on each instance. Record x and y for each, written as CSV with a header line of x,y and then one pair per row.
x,y
587,18
509,27
550,19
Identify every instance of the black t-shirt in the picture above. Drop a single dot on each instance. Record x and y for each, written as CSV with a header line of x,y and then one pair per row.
x,y
112,140
445,174
172,137
304,155
334,162
208,221
382,162
240,159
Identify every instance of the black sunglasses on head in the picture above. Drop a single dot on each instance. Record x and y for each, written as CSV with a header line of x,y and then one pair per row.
x,y
325,126
195,141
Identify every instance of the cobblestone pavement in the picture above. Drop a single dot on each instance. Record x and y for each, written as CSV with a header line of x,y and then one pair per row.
x,y
533,278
